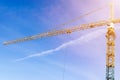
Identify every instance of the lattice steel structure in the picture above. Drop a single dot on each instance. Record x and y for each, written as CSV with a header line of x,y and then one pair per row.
x,y
110,54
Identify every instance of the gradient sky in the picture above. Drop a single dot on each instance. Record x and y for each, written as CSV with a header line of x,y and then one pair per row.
x,y
84,60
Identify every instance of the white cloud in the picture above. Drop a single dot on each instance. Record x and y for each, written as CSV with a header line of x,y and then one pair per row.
x,y
83,39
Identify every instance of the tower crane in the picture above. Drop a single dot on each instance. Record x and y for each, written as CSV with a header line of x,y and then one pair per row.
x,y
110,39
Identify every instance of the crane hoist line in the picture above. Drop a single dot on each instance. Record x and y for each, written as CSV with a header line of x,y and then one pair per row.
x,y
65,31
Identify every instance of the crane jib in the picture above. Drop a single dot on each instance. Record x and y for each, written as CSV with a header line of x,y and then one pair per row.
x,y
65,31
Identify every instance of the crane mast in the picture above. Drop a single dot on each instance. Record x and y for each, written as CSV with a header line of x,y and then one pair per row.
x,y
110,52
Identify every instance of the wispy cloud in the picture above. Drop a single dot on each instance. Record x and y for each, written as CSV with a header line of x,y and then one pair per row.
x,y
83,39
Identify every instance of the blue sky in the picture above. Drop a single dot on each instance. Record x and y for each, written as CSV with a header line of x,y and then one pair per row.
x,y
82,60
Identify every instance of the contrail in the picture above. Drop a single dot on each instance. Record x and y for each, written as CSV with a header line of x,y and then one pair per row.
x,y
83,39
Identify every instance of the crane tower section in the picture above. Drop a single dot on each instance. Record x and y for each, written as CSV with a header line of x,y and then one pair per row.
x,y
110,54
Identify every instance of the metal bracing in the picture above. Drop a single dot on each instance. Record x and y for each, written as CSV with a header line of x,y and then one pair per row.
x,y
110,54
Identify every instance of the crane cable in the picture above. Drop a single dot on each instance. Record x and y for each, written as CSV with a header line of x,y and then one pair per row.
x,y
64,65
77,18
71,21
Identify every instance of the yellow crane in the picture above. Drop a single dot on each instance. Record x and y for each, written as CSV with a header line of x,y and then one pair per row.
x,y
110,39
